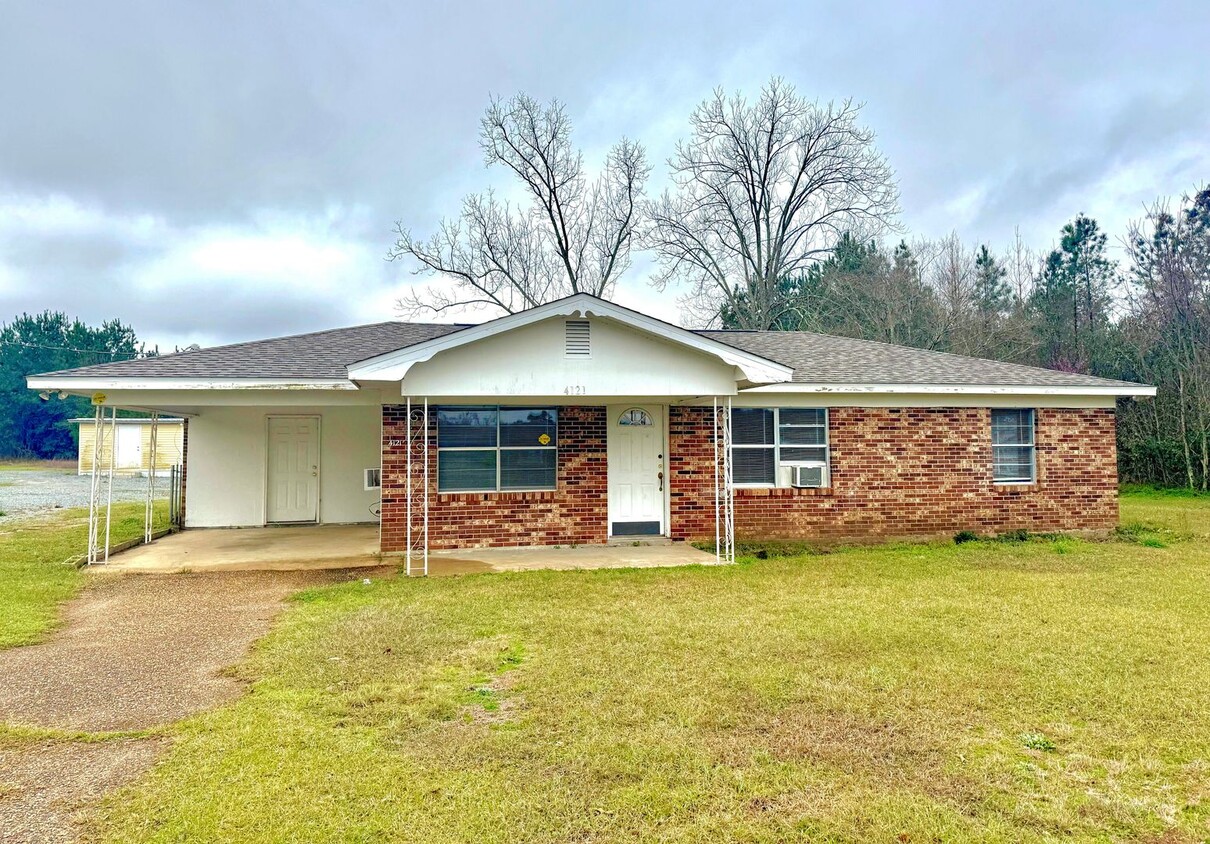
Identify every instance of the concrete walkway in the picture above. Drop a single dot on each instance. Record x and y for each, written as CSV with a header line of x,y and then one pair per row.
x,y
321,547
254,549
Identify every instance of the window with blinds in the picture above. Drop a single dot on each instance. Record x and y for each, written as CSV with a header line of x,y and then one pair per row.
x,y
487,448
1014,458
769,445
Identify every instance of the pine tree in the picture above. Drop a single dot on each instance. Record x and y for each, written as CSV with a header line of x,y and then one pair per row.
x,y
1073,297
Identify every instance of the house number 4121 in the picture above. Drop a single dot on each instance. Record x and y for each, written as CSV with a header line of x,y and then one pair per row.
x,y
574,390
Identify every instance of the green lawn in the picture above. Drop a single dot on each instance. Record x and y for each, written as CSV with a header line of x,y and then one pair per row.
x,y
37,568
991,691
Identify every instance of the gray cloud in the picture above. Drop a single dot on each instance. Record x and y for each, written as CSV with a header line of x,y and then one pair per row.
x,y
150,138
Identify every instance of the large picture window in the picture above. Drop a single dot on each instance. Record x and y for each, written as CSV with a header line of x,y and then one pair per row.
x,y
766,439
485,448
1013,450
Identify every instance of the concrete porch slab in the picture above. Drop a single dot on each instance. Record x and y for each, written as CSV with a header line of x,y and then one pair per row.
x,y
316,547
535,558
254,549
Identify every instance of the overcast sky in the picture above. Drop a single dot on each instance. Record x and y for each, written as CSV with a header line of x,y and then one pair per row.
x,y
214,172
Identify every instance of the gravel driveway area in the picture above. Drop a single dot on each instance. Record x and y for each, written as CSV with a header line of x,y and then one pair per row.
x,y
134,652
28,492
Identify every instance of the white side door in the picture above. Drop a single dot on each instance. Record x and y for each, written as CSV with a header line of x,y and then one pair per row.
x,y
636,470
129,442
293,471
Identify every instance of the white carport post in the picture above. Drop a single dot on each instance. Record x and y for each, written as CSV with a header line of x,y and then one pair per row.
x,y
94,482
95,554
149,507
113,458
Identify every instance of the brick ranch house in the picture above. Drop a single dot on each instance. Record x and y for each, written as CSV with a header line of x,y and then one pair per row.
x,y
580,421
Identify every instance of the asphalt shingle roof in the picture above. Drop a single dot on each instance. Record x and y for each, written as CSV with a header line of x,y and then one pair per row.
x,y
322,354
815,358
825,359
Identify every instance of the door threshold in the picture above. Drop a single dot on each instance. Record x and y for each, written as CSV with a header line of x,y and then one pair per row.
x,y
618,541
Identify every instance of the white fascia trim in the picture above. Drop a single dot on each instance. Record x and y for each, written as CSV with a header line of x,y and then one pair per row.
x,y
393,366
87,383
958,389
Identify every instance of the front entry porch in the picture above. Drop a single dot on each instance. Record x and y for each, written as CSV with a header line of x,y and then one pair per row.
x,y
356,546
555,558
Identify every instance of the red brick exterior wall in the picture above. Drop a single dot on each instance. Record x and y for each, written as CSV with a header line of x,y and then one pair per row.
x,y
895,472
907,472
576,512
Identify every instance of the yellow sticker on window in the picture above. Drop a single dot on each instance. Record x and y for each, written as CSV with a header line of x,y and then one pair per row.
x,y
544,439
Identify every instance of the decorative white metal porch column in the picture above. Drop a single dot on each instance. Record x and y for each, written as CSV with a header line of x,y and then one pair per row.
x,y
100,493
724,485
416,492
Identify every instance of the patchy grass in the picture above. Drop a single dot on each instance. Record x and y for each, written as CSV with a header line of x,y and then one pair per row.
x,y
37,570
1165,513
1026,691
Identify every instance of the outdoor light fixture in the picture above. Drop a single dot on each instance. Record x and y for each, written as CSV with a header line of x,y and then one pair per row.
x,y
44,395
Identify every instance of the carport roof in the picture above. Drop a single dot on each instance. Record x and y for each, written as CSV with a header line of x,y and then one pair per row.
x,y
318,355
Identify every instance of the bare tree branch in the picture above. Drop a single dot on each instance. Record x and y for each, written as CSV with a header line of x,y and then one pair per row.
x,y
575,236
762,191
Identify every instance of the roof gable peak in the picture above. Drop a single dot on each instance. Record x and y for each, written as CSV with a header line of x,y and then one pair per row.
x,y
393,366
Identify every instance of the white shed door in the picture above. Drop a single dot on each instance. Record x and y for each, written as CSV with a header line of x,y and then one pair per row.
x,y
636,471
293,469
129,447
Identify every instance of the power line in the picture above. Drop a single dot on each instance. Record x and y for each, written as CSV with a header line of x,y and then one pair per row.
x,y
22,345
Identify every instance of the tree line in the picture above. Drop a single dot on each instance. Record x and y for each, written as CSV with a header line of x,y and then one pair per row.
x,y
34,427
781,213
1073,308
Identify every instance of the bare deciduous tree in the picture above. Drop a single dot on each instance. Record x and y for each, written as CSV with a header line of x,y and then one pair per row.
x,y
574,236
763,190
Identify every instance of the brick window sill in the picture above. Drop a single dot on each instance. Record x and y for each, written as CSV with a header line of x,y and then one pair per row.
x,y
532,495
1014,489
785,492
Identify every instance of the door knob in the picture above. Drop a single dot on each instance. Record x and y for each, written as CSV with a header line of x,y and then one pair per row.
x,y
661,477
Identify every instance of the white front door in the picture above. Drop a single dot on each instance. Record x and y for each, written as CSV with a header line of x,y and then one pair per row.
x,y
293,475
636,470
129,447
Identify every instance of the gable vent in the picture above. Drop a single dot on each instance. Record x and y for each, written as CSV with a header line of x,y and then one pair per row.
x,y
577,339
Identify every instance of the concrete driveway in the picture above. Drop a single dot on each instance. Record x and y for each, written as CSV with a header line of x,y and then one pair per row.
x,y
133,653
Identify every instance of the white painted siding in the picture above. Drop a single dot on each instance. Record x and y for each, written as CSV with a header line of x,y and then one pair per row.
x,y
532,361
227,452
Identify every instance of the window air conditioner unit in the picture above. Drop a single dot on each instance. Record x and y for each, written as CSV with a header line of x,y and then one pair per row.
x,y
804,475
